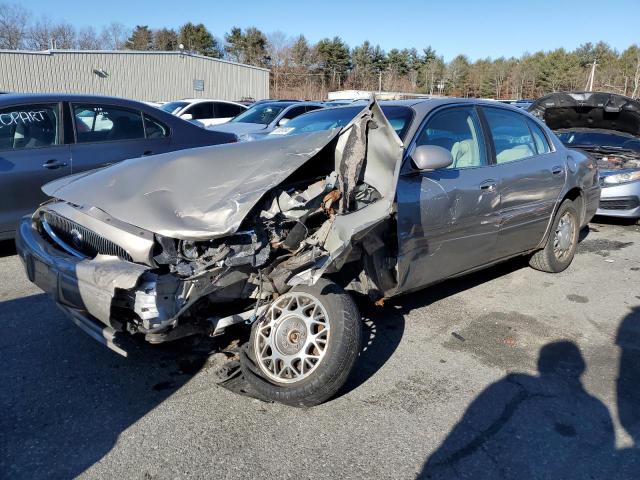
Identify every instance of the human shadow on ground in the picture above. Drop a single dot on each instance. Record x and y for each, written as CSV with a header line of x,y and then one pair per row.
x,y
547,425
628,391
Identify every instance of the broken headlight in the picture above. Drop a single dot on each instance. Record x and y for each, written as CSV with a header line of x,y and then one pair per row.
x,y
619,178
189,249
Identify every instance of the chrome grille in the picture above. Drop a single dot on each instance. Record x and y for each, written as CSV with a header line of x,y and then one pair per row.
x,y
80,238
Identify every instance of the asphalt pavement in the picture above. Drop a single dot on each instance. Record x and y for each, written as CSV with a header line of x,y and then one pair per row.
x,y
506,373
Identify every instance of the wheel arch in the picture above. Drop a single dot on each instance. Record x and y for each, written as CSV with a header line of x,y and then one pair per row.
x,y
576,196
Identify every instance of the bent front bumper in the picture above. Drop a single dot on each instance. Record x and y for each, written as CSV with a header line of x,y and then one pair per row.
x,y
620,201
101,295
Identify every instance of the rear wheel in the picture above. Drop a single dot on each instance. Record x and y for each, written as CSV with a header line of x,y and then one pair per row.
x,y
303,349
561,245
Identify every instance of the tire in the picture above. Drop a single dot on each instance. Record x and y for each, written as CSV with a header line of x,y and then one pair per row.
x,y
553,258
281,336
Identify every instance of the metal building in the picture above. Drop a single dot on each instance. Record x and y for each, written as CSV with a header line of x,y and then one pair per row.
x,y
147,76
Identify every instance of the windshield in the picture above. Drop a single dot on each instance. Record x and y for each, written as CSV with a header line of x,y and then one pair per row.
x,y
173,107
399,118
264,113
581,138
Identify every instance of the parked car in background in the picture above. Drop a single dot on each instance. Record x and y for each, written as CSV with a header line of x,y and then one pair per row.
x,y
338,103
262,117
271,233
47,136
204,112
607,127
398,113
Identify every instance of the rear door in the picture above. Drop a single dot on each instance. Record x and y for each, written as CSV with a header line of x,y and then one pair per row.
x,y
32,153
448,219
530,178
107,134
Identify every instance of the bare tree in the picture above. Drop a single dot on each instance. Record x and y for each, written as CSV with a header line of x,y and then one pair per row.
x,y
114,36
279,51
14,21
45,35
87,39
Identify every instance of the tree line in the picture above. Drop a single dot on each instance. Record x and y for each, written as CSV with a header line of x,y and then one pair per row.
x,y
301,69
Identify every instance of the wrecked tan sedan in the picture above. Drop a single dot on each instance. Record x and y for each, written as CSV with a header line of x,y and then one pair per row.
x,y
269,235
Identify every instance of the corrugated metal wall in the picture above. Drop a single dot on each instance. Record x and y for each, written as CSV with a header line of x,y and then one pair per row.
x,y
147,76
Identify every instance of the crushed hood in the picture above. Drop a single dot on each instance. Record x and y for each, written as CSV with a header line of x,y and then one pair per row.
x,y
191,194
207,192
607,111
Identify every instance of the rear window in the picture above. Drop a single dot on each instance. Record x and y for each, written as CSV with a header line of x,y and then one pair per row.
x,y
511,135
154,128
104,123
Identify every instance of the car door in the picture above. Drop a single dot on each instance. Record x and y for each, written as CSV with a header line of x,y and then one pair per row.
x,y
530,178
107,134
32,153
448,219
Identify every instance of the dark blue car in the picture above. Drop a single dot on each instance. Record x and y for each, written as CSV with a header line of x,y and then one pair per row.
x,y
47,136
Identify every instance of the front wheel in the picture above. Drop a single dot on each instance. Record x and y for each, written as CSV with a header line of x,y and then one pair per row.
x,y
304,347
561,245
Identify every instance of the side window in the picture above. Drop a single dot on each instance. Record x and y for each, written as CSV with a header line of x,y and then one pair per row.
x,y
29,126
155,128
103,123
311,108
457,130
511,135
294,112
200,111
542,144
226,110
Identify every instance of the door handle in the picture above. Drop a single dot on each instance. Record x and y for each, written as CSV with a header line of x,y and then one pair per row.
x,y
147,153
488,186
53,164
557,170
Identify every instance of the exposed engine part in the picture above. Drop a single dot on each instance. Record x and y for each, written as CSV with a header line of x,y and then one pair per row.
x,y
616,161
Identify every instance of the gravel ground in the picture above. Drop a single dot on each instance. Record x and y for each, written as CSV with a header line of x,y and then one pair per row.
x,y
507,373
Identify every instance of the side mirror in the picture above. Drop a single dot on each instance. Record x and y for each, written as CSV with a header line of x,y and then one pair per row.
x,y
186,116
283,122
431,157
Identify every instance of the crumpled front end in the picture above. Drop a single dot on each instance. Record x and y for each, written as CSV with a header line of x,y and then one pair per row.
x,y
331,210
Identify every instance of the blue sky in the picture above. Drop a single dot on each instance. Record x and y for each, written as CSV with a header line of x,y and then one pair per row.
x,y
489,28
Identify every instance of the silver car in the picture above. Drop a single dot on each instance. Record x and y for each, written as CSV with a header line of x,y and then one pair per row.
x,y
262,118
262,240
607,127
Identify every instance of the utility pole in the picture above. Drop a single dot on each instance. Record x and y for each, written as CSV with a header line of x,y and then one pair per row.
x,y
379,81
589,87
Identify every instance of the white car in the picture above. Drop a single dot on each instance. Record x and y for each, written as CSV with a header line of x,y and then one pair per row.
x,y
203,111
